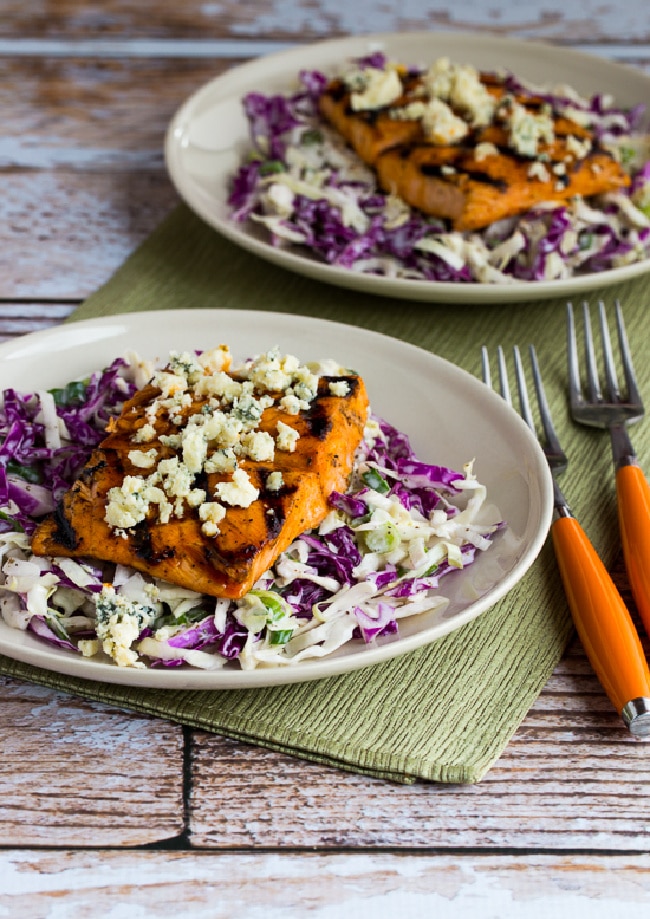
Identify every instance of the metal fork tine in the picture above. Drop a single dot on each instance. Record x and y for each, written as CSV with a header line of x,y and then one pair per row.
x,y
526,413
548,440
633,394
590,357
503,376
485,366
588,406
608,356
552,440
575,390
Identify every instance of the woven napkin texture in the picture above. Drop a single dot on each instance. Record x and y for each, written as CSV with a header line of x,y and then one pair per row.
x,y
444,712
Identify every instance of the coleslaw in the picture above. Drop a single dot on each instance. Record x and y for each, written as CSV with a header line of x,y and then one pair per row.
x,y
310,192
377,557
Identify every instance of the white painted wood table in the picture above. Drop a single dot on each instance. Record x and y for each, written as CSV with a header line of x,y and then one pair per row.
x,y
107,813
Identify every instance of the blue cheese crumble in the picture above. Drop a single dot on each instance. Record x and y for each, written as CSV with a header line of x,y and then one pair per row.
x,y
372,88
240,492
119,623
275,481
339,388
527,129
144,459
287,437
218,413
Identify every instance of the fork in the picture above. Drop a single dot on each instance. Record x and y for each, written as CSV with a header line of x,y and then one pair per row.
x,y
602,620
613,413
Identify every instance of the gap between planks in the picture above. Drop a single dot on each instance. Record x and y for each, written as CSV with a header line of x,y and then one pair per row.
x,y
230,49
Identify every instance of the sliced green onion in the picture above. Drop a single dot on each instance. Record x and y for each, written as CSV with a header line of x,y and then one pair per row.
x,y
279,636
56,626
375,481
16,527
72,394
311,136
193,615
272,167
384,539
627,155
273,603
28,473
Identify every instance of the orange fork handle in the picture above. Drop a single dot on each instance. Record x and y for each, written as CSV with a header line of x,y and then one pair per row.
x,y
603,622
633,494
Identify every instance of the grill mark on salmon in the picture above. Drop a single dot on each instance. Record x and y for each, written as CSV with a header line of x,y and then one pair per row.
x,y
62,531
478,193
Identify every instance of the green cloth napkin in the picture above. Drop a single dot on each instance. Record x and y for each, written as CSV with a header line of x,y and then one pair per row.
x,y
444,712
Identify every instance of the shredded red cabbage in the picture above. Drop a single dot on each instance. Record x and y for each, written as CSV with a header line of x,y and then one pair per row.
x,y
34,475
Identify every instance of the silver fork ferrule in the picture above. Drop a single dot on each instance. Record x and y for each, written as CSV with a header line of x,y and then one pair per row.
x,y
627,461
636,716
560,503
622,450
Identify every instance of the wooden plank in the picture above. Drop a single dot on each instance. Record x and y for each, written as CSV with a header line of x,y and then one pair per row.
x,y
555,20
21,318
62,234
561,783
91,114
45,885
76,773
80,191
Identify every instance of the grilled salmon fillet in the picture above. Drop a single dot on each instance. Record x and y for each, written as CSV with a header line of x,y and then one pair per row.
x,y
481,176
259,519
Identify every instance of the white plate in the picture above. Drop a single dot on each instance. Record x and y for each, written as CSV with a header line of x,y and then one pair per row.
x,y
450,416
209,134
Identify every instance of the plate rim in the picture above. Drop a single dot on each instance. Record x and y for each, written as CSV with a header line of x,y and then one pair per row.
x,y
411,289
48,658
